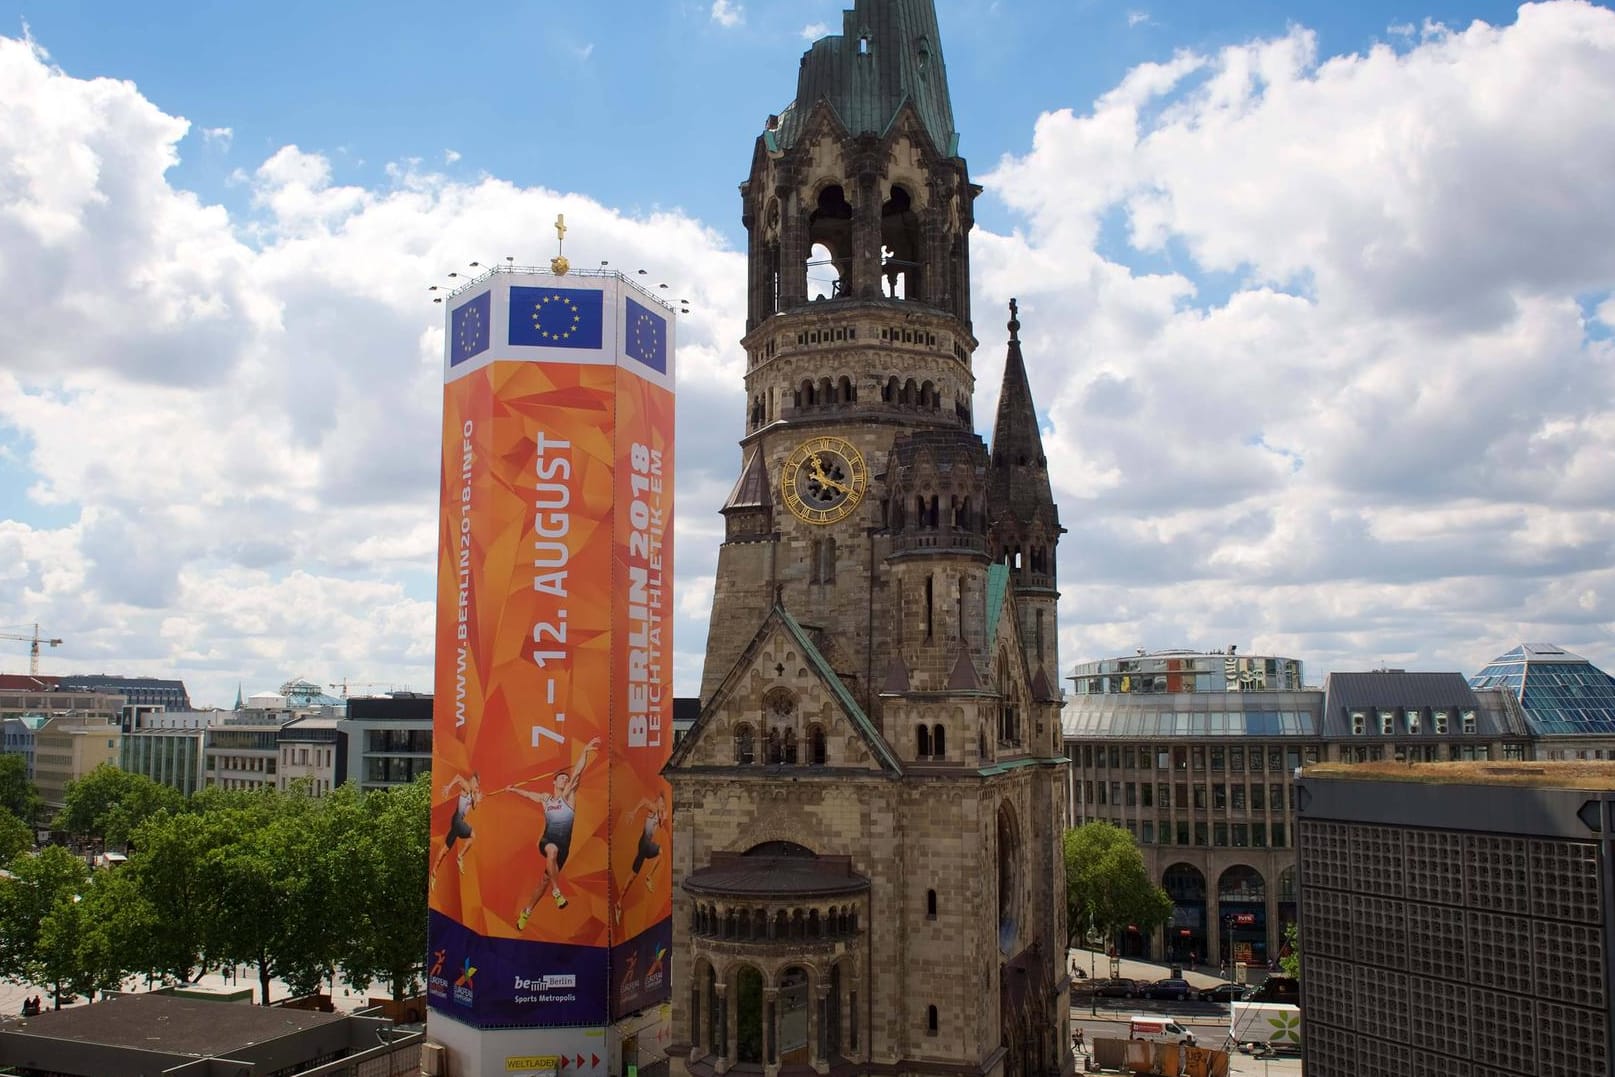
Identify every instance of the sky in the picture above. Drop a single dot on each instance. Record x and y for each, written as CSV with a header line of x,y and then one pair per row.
x,y
1316,302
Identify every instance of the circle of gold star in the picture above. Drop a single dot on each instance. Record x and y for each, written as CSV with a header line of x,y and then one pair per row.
x,y
538,318
470,328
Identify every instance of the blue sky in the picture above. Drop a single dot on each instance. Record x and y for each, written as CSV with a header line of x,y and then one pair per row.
x,y
1317,306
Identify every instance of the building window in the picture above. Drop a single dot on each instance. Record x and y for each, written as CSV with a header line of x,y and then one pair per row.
x,y
1387,723
1241,835
1259,835
1237,793
1132,795
1219,797
1275,760
1236,760
1180,758
1200,834
1183,833
1101,792
1149,831
1200,798
1275,797
1218,757
1413,719
1219,834
1115,757
1439,719
1513,751
1163,760
1087,755
1256,760
1182,801
1127,758
1198,754
1163,795
1469,723
1146,794
930,904
1116,793
1278,835
930,1020
1359,722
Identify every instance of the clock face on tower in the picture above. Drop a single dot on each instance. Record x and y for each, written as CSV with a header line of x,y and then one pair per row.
x,y
823,480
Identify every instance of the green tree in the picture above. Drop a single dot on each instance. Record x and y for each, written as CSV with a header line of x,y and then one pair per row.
x,y
1106,884
382,871
17,794
110,804
167,866
1290,963
16,837
269,908
38,913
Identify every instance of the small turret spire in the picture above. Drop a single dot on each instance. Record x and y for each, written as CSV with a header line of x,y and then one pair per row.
x,y
1014,323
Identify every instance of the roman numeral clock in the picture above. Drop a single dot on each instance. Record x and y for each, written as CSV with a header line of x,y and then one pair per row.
x,y
823,480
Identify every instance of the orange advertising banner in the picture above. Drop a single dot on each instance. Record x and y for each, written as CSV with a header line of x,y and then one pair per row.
x,y
551,826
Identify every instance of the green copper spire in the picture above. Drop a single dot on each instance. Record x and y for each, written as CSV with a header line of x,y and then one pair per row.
x,y
888,52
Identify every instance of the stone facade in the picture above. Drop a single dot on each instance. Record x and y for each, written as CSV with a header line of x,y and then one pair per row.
x,y
867,860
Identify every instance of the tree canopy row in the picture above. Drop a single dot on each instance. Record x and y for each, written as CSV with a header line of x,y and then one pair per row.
x,y
296,886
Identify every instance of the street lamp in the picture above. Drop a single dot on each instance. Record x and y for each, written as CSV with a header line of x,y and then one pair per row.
x,y
1093,983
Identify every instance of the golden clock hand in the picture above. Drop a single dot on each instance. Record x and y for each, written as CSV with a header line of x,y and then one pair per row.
x,y
818,473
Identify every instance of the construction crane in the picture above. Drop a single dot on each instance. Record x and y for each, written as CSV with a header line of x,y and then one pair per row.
x,y
33,651
345,684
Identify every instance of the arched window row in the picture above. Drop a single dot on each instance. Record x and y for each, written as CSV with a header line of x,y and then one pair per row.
x,y
923,395
825,392
780,746
931,741
756,924
927,511
1035,559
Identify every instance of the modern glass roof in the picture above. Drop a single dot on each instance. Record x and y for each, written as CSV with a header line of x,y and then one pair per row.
x,y
1560,692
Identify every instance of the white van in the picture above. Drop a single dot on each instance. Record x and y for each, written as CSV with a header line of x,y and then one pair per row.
x,y
1158,1029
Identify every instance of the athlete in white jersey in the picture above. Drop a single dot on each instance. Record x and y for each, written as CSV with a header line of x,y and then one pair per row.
x,y
560,811
460,826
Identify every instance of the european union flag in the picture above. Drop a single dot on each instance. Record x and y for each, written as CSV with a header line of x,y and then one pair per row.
x,y
556,317
647,337
468,329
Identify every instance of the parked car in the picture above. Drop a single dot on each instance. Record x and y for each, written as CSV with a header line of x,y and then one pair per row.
x,y
1225,992
1121,987
1177,990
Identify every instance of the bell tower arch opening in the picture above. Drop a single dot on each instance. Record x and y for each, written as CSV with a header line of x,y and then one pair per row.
x,y
900,246
829,242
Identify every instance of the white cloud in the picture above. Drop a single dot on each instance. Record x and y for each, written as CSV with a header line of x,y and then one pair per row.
x,y
1365,405
1137,18
814,30
218,136
728,13
451,156
236,431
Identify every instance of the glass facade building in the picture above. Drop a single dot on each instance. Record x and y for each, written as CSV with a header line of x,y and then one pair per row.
x,y
1562,694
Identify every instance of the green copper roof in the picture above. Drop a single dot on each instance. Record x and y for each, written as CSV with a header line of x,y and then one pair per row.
x,y
844,697
888,52
997,584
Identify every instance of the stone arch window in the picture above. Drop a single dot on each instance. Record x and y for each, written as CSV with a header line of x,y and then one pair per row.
x,y
709,992
798,925
749,1016
829,231
930,904
823,566
789,753
939,741
816,745
759,926
745,751
1009,877
900,245
827,392
815,926
782,925
930,1021
891,391
910,391
730,928
776,747
807,395
922,742
792,1003
847,390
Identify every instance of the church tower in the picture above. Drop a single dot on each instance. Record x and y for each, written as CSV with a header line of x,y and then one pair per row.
x,y
867,864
